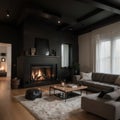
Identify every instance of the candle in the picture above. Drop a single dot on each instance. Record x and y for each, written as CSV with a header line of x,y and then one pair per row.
x,y
63,84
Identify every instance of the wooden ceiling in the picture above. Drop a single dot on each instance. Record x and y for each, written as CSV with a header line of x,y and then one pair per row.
x,y
79,16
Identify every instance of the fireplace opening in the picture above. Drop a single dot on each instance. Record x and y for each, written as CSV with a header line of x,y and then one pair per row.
x,y
3,71
40,73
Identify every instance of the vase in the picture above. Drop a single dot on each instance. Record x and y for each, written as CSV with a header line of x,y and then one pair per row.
x,y
33,51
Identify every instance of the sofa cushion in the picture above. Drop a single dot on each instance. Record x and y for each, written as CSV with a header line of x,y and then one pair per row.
x,y
109,78
98,86
97,76
100,83
86,76
117,81
112,95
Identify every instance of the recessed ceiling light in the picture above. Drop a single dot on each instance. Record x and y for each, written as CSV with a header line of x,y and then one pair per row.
x,y
8,14
59,21
70,28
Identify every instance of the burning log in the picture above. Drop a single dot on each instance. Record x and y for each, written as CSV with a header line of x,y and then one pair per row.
x,y
39,77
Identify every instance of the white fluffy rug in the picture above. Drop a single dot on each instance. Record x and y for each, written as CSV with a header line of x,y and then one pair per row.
x,y
51,107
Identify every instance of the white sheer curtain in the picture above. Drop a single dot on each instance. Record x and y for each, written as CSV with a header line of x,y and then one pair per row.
x,y
103,54
108,53
116,56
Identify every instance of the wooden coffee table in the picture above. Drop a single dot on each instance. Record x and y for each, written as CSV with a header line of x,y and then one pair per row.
x,y
66,89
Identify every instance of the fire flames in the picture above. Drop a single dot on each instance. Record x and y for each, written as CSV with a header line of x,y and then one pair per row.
x,y
2,68
38,75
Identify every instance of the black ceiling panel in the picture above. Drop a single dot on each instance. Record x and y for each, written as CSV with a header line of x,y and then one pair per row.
x,y
73,14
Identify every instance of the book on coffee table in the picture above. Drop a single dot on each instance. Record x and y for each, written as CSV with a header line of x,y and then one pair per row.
x,y
72,85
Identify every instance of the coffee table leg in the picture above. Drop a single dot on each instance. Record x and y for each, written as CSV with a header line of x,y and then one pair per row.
x,y
50,91
80,92
65,96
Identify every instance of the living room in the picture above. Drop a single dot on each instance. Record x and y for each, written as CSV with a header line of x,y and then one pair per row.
x,y
78,25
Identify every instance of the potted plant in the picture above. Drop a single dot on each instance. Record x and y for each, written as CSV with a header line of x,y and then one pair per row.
x,y
15,83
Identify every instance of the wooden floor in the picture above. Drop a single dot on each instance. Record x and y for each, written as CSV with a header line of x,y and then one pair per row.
x,y
10,109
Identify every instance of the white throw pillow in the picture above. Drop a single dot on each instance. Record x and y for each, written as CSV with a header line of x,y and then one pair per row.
x,y
86,76
117,81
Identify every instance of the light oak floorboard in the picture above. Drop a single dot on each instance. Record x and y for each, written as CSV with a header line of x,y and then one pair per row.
x,y
11,109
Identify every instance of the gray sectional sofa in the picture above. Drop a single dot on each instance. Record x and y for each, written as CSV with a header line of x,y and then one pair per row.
x,y
108,109
99,82
106,105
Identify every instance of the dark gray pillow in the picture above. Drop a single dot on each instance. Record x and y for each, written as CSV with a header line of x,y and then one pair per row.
x,y
112,95
102,93
118,99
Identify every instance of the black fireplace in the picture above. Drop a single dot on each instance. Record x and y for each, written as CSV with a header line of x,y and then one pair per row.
x,y
37,70
43,73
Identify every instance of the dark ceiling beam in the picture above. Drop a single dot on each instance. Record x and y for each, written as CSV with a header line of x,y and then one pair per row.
x,y
101,5
62,25
78,20
38,12
112,19
90,14
23,15
38,7
107,2
43,14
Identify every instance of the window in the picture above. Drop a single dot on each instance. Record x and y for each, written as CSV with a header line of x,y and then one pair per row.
x,y
64,55
116,56
108,56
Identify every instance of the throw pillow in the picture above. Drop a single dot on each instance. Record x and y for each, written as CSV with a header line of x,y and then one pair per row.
x,y
117,81
112,95
102,93
118,99
86,76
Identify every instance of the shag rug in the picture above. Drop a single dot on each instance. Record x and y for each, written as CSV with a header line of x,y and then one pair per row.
x,y
51,107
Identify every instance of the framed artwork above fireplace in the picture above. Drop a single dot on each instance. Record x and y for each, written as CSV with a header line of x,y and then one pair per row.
x,y
42,46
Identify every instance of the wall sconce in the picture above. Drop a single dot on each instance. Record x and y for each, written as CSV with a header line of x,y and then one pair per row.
x,y
3,59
